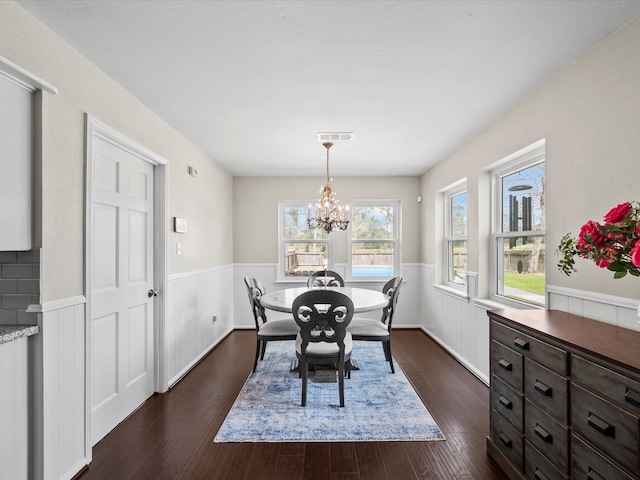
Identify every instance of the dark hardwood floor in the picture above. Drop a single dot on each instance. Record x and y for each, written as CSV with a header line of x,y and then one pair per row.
x,y
171,435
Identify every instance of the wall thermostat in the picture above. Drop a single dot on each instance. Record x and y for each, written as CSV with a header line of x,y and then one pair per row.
x,y
179,225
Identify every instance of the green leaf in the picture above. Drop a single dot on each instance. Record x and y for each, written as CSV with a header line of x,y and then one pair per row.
x,y
617,267
620,274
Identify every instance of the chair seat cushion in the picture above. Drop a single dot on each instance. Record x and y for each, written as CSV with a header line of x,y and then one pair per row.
x,y
365,327
279,327
325,349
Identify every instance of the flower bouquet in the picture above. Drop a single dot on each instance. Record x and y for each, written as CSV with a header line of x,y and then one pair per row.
x,y
614,245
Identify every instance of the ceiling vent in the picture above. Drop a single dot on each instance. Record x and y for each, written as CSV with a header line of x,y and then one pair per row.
x,y
335,136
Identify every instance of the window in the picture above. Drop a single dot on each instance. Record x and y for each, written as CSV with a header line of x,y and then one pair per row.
x,y
519,228
374,240
302,250
455,242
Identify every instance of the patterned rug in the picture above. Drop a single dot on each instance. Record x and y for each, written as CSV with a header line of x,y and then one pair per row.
x,y
379,405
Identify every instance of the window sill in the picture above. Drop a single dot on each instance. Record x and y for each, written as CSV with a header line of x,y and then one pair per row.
x,y
454,292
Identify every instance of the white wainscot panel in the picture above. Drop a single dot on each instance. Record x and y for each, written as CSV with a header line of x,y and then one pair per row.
x,y
619,311
62,419
193,301
455,323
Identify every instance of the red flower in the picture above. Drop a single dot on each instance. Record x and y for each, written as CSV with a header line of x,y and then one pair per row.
x,y
635,254
617,214
590,236
603,262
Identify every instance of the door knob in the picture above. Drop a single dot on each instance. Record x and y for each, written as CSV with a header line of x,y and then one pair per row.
x,y
152,293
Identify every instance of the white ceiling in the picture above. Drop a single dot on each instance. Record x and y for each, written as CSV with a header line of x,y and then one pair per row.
x,y
253,82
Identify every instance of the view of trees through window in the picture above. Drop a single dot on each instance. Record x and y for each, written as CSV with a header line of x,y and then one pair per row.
x,y
305,249
372,241
457,239
523,212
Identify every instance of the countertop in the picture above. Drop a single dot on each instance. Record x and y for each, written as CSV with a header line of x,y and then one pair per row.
x,y
9,333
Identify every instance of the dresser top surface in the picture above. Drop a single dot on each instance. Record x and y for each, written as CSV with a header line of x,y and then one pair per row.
x,y
617,345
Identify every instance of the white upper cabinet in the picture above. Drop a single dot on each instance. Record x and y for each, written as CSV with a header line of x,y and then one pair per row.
x,y
17,88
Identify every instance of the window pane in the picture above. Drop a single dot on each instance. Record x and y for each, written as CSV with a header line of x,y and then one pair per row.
x,y
523,269
458,262
372,223
304,258
372,259
296,225
459,215
523,200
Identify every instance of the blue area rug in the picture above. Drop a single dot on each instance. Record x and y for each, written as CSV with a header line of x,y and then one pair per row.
x,y
379,405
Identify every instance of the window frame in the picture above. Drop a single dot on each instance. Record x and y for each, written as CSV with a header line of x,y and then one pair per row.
x,y
521,160
449,239
281,277
397,240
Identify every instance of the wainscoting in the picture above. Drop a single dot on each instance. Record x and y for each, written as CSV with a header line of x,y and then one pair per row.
x,y
58,447
193,300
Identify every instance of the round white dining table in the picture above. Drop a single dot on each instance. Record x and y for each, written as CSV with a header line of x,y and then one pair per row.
x,y
364,300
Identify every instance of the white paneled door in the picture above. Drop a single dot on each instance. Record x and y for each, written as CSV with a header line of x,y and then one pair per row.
x,y
121,284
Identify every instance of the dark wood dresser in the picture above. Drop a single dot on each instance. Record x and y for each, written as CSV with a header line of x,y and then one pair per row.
x,y
565,397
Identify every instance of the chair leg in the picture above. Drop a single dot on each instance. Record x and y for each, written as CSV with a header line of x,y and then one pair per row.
x,y
302,365
341,367
255,362
264,347
387,351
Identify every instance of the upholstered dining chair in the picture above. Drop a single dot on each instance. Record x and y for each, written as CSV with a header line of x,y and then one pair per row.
x,y
267,331
323,317
366,329
325,277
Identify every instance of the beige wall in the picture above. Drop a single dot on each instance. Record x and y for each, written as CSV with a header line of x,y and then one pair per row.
x,y
255,201
590,119
86,89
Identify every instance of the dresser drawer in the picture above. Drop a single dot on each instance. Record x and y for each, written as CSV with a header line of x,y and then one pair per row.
x,y
611,429
547,435
508,440
507,365
588,464
538,467
546,389
554,358
507,402
605,382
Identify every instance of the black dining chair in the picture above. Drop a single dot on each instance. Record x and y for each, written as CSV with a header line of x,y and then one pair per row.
x,y
323,317
327,278
366,329
271,330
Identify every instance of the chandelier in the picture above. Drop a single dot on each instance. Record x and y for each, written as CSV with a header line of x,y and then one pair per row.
x,y
329,214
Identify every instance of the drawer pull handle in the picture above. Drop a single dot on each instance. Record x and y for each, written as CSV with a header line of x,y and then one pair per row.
x,y
543,434
506,403
518,342
505,440
504,364
543,389
632,397
601,426
593,475
539,475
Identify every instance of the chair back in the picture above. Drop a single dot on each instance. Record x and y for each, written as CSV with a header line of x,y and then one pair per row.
x,y
392,290
323,316
327,278
255,290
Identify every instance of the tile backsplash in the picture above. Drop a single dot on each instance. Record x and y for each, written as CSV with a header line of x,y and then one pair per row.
x,y
19,286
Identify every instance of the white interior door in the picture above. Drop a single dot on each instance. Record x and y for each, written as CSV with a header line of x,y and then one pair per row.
x,y
121,276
